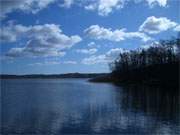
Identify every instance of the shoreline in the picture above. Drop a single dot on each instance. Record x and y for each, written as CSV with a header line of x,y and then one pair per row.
x,y
160,75
52,76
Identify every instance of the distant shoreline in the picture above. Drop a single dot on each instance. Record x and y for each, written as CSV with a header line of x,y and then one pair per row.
x,y
52,76
162,74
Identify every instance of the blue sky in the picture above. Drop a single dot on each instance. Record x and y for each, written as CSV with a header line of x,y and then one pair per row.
x,y
61,36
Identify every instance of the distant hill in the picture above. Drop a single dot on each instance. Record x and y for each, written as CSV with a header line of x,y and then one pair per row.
x,y
49,76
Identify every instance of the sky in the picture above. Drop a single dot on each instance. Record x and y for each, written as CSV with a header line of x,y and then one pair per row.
x,y
66,36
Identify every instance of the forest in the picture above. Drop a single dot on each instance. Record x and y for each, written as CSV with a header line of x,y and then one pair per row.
x,y
158,63
164,52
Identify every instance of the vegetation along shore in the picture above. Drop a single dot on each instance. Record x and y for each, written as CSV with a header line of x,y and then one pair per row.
x,y
156,64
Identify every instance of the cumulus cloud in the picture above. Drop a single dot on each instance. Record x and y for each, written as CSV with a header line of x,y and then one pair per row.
x,y
33,6
104,7
34,52
87,51
46,63
11,32
109,56
162,3
94,60
97,32
114,53
41,40
70,62
67,3
153,25
93,45
177,28
50,63
152,44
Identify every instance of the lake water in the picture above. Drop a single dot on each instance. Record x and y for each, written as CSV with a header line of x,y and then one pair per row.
x,y
76,106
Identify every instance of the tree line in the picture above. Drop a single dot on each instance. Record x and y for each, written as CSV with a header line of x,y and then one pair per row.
x,y
163,52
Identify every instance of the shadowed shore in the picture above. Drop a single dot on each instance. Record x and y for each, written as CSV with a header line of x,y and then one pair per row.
x,y
158,64
165,74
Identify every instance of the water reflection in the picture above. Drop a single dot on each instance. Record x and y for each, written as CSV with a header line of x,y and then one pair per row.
x,y
158,104
155,101
77,106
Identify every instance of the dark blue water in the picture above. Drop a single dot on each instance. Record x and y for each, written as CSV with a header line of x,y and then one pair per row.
x,y
75,106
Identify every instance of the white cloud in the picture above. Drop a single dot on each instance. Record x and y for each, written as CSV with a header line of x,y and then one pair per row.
x,y
152,44
104,7
50,63
41,40
87,51
177,28
70,62
109,56
153,25
11,32
34,52
114,53
162,3
67,3
94,60
46,63
91,44
8,6
157,44
97,32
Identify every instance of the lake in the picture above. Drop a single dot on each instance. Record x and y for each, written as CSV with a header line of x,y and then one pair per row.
x,y
76,106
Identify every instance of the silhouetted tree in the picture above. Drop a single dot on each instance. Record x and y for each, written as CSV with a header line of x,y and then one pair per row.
x,y
166,51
